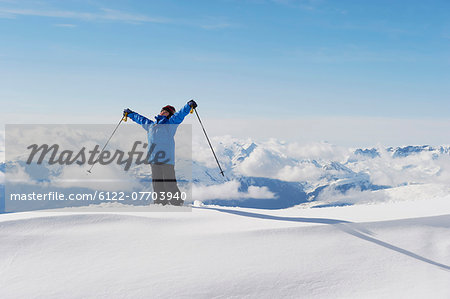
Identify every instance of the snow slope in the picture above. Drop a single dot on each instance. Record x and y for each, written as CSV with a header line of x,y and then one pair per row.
x,y
384,250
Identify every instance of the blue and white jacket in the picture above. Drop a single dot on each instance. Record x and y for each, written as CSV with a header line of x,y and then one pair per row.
x,y
161,133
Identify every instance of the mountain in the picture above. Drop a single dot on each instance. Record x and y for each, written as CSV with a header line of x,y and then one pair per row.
x,y
287,174
406,151
401,152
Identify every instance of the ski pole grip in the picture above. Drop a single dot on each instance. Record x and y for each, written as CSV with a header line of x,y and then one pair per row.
x,y
125,117
192,110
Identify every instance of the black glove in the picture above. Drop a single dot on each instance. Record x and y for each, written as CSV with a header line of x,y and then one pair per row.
x,y
193,104
127,111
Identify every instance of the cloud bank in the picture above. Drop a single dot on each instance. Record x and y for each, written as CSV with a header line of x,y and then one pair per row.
x,y
229,190
104,14
325,172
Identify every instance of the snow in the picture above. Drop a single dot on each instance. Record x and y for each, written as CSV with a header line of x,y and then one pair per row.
x,y
395,249
388,239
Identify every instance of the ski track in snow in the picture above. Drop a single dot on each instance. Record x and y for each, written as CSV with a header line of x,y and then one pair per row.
x,y
388,250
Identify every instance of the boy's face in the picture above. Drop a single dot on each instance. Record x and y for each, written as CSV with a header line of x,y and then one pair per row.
x,y
164,113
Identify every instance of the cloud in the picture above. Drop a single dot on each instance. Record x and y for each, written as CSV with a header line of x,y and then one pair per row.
x,y
322,163
2,146
292,161
262,162
229,190
66,25
18,174
317,150
302,4
344,131
107,178
105,14
217,26
300,173
350,54
419,168
311,164
402,193
217,22
112,15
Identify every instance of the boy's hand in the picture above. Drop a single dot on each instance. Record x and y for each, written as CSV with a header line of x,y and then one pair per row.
x,y
127,111
193,104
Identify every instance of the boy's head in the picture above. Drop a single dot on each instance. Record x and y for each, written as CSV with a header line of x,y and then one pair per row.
x,y
167,111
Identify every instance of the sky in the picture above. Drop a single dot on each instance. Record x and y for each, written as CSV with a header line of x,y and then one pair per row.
x,y
349,72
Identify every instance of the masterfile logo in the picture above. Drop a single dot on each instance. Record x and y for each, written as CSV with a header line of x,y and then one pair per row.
x,y
53,155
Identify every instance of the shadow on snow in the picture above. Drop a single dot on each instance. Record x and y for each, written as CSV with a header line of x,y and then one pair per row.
x,y
346,226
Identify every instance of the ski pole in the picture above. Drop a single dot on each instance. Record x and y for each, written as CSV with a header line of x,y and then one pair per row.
x,y
124,118
206,135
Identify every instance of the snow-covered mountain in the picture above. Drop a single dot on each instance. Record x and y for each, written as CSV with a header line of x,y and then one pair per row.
x,y
275,174
316,173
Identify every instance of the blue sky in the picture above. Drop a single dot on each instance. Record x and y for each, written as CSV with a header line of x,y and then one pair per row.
x,y
266,59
